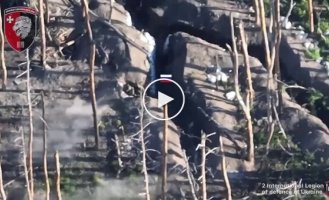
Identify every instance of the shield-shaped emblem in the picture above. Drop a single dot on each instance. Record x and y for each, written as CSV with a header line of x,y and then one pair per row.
x,y
20,25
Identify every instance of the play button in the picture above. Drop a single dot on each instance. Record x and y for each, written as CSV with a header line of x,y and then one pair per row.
x,y
163,99
163,91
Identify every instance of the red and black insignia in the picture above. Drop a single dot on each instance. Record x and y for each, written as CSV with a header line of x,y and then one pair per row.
x,y
20,25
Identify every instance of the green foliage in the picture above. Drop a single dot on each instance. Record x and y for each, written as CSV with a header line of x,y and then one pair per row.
x,y
260,138
300,10
324,25
67,185
314,53
317,101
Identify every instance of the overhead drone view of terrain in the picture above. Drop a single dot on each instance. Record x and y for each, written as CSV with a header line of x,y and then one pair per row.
x,y
164,99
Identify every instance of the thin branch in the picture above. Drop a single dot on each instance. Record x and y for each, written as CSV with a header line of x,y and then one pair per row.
x,y
310,15
164,153
26,172
58,177
189,176
245,108
257,14
92,71
43,33
30,148
279,123
246,62
203,167
223,164
2,190
47,20
277,53
45,165
146,178
2,54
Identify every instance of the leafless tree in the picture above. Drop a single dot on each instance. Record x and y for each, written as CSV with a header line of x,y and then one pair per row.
x,y
164,153
269,66
30,147
47,11
273,92
246,63
26,170
203,166
58,177
224,172
92,70
43,33
310,15
278,33
2,190
45,164
2,55
257,15
142,137
245,107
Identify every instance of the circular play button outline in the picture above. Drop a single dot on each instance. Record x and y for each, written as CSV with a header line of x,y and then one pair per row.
x,y
181,90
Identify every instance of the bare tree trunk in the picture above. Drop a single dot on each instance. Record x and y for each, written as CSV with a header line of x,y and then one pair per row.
x,y
45,165
269,93
2,190
310,15
226,180
277,57
26,171
146,178
257,14
245,108
2,52
30,156
203,166
58,177
246,63
47,20
43,33
275,46
165,152
92,71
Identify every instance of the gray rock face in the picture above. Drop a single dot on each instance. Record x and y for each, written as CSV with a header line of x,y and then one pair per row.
x,y
190,59
213,26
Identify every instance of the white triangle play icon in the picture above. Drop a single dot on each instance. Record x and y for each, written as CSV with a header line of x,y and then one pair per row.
x,y
163,99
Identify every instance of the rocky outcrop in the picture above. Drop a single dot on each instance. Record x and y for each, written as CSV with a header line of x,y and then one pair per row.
x,y
191,57
211,22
